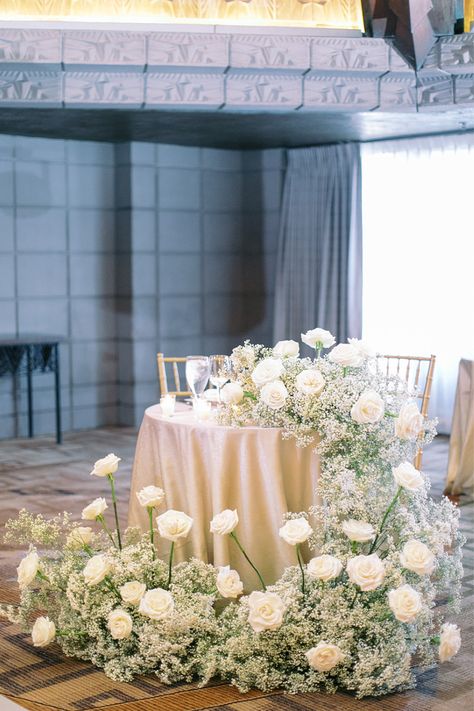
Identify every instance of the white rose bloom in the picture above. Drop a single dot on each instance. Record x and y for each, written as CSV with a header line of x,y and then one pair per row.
x,y
156,604
408,477
27,569
224,522
268,370
96,508
232,393
365,350
43,632
318,338
346,355
119,623
274,395
105,466
324,656
450,642
324,567
266,610
286,349
228,582
80,536
366,571
132,592
369,408
96,569
416,556
405,602
309,382
296,530
359,531
150,496
409,423
174,524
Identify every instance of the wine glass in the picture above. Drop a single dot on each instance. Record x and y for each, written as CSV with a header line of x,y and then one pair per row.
x,y
198,370
220,371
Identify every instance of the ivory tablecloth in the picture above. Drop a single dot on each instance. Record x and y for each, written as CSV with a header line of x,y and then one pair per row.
x,y
461,445
205,468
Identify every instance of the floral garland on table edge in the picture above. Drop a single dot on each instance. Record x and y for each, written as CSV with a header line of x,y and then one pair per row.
x,y
358,616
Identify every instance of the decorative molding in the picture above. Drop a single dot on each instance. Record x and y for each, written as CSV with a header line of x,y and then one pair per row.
x,y
397,93
21,46
345,93
103,88
113,48
464,89
30,87
457,54
186,49
252,90
435,92
361,55
264,52
185,89
398,63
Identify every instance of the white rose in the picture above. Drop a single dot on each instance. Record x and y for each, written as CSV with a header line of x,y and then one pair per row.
x,y
416,556
366,571
318,338
132,592
119,623
274,395
266,610
295,531
224,522
359,531
368,409
409,423
324,567
150,496
405,603
96,508
450,642
43,632
407,476
232,394
266,371
174,524
96,569
80,536
309,382
346,355
324,656
286,349
27,569
156,604
228,582
105,466
365,350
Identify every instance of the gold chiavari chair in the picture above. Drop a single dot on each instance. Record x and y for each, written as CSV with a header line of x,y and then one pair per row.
x,y
418,372
162,361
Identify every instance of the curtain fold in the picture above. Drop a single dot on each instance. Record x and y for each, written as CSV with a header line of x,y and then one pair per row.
x,y
319,265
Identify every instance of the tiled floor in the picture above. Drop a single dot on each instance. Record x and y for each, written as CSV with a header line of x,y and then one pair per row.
x,y
39,476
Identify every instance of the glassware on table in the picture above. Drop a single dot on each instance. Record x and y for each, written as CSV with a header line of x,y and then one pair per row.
x,y
221,368
168,404
202,409
198,370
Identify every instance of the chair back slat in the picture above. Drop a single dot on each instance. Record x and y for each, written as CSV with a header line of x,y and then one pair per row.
x,y
163,377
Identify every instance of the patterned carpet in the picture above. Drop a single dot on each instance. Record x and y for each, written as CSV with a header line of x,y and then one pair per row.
x,y
45,478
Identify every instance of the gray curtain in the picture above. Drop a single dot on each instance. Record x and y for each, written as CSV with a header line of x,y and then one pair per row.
x,y
319,265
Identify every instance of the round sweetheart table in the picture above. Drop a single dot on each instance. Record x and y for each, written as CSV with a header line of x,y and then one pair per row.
x,y
204,468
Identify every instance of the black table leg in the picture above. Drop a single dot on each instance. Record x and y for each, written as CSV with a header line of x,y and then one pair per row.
x,y
57,388
29,368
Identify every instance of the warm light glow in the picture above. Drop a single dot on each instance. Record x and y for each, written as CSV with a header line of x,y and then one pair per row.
x,y
468,14
337,14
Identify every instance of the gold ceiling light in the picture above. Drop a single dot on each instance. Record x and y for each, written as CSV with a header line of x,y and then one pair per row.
x,y
337,14
468,15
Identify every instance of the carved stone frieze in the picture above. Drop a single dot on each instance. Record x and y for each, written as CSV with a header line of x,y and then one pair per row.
x,y
457,54
345,93
343,54
266,52
109,88
435,92
398,92
258,90
464,89
21,46
30,87
114,48
186,49
193,89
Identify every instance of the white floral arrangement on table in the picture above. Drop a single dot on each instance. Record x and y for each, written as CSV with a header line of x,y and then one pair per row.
x,y
361,615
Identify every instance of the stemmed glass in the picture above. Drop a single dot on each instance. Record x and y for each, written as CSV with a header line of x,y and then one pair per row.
x,y
221,367
198,370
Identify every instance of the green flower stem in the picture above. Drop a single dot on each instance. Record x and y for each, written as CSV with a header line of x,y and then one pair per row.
x,y
87,549
101,520
344,371
300,561
110,477
386,515
354,547
152,533
112,587
170,564
232,535
390,414
42,576
319,348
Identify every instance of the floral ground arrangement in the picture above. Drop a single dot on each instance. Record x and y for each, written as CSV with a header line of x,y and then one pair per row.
x,y
360,615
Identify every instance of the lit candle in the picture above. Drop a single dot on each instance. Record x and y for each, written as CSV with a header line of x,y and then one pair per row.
x,y
202,409
168,403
